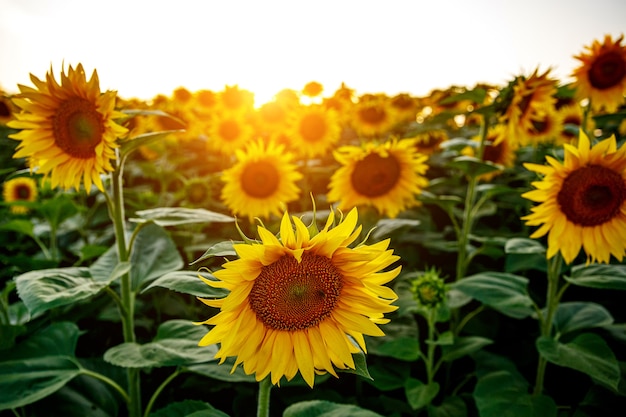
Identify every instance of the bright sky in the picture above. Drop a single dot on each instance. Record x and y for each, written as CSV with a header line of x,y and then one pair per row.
x,y
145,47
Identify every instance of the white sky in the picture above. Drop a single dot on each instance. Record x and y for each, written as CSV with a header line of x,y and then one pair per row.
x,y
145,47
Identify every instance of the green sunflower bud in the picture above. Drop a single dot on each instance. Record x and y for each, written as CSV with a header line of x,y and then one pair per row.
x,y
429,289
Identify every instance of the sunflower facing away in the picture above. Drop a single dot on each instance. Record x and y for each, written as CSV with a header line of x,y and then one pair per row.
x,y
263,179
19,189
386,176
68,129
602,76
298,304
582,201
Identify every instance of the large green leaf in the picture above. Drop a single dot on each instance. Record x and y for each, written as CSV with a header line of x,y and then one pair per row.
x,y
418,394
576,315
463,346
587,353
500,394
472,166
38,366
176,343
187,282
524,254
318,408
188,408
153,255
176,216
44,289
222,372
224,248
449,407
388,375
58,209
19,225
403,348
611,277
504,292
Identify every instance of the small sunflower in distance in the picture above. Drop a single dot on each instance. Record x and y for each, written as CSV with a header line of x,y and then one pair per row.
x,y
386,176
68,129
296,303
602,76
262,179
582,201
17,190
313,130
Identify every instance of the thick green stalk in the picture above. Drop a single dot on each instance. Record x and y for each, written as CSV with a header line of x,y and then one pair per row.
x,y
127,294
552,302
263,405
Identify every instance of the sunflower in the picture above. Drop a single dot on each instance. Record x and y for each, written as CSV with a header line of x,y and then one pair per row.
x,y
298,304
571,117
313,130
532,96
235,100
428,142
373,116
497,149
312,89
602,76
582,201
386,176
68,128
227,132
7,108
261,181
17,190
545,126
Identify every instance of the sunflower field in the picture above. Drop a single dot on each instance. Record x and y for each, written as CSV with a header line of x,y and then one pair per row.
x,y
322,254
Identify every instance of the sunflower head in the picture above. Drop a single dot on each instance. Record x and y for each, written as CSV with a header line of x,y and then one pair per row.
x,y
582,201
312,89
386,176
301,302
601,77
313,130
68,129
20,189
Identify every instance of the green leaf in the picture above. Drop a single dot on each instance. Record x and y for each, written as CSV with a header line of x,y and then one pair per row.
x,y
524,254
188,408
504,292
38,366
587,353
501,393
386,227
8,334
18,225
463,346
476,95
224,248
360,366
44,289
599,276
419,394
403,348
176,343
176,216
82,396
58,209
146,139
472,166
153,254
318,408
524,246
572,316
388,375
449,407
187,282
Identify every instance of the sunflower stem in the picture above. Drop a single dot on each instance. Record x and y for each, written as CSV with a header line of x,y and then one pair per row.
x,y
430,358
127,311
263,406
552,302
158,391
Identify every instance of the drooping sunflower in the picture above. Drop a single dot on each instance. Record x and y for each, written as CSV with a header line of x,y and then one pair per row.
x,y
602,76
263,178
298,303
313,130
386,176
17,190
68,129
582,201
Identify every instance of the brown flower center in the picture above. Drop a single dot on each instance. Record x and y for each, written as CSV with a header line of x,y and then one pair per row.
x,y
78,128
493,153
22,192
592,195
607,70
372,115
260,179
4,109
229,130
313,127
375,175
292,296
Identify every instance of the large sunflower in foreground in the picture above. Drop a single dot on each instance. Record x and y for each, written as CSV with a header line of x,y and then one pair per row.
x,y
17,190
602,75
298,304
582,201
263,179
386,176
68,129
